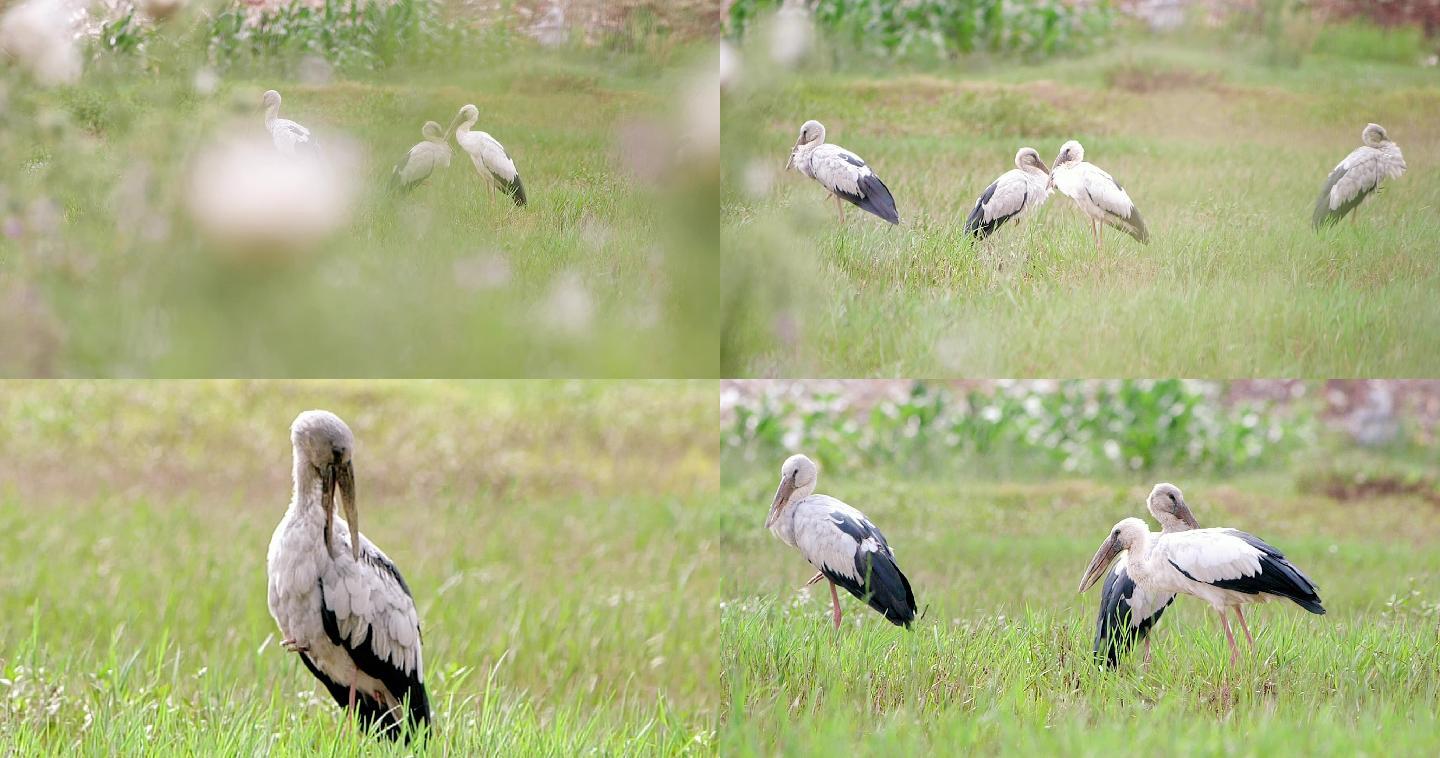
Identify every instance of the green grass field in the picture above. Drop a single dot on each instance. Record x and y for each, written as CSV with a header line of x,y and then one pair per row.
x,y
553,534
1001,660
1223,156
604,273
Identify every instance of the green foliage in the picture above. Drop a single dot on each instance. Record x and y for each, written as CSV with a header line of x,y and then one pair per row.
x,y
948,28
1363,41
1075,427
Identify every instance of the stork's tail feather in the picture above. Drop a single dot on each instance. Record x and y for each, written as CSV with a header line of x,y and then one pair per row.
x,y
1133,226
975,224
516,190
1278,577
887,590
875,198
370,713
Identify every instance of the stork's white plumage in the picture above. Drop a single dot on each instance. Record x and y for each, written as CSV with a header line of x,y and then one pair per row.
x,y
1226,568
1360,174
339,601
1127,611
422,159
491,161
1015,194
289,137
1097,194
842,172
840,543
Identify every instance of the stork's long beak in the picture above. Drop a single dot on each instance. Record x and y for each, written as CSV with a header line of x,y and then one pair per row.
x,y
345,482
782,496
1188,517
327,501
1103,557
1043,167
454,122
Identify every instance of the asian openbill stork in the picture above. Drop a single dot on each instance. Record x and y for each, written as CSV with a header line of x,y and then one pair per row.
x,y
841,172
840,542
421,161
1097,193
288,136
1226,568
1359,175
1015,194
491,161
1127,612
339,601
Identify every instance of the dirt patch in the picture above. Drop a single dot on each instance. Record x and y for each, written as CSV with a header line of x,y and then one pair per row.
x,y
1142,79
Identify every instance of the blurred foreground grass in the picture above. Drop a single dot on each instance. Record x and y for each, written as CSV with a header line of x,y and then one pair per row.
x,y
552,533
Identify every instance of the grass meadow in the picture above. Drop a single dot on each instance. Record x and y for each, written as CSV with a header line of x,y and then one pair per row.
x,y
1223,155
1000,661
552,533
606,272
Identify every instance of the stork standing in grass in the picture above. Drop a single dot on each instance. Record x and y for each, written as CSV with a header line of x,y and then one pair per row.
x,y
1359,175
491,161
288,136
339,601
1097,193
1127,612
840,542
422,160
1015,194
1226,568
842,172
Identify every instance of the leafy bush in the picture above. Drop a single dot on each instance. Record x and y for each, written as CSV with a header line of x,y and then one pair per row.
x,y
1362,41
947,28
1075,427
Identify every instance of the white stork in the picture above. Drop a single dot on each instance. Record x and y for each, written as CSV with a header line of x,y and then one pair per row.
x,y
840,542
1015,194
1226,568
289,137
339,601
1360,174
489,156
1097,193
842,172
422,160
1127,612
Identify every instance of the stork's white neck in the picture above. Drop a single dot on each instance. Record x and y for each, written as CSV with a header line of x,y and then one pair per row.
x,y
1137,559
272,112
307,495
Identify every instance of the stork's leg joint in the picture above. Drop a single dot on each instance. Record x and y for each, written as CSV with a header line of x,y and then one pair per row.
x,y
293,646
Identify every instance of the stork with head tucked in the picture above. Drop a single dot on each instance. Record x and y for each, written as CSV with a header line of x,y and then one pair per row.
x,y
339,601
842,172
422,160
288,136
1097,193
840,543
1127,612
489,156
1016,193
1359,175
1226,568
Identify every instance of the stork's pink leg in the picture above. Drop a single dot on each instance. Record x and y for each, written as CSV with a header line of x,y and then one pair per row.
x,y
1147,650
835,600
1243,627
840,206
1234,650
818,576
351,705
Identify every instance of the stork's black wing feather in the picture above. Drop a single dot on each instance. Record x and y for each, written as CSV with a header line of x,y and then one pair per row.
x,y
1115,632
405,685
372,714
882,585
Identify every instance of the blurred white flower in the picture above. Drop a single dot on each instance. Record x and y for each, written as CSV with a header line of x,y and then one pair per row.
x,y
316,71
759,177
206,81
791,35
245,196
485,271
729,65
702,113
568,308
39,36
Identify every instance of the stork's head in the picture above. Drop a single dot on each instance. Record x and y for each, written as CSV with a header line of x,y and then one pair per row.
x,y
468,114
812,133
1374,135
271,100
1070,152
1028,158
1126,534
797,482
325,444
1168,507
431,131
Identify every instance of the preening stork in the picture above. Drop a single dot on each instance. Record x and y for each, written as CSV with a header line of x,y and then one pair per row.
x,y
1226,568
1016,193
842,172
1127,612
422,160
840,542
339,601
1097,193
489,156
1359,175
288,136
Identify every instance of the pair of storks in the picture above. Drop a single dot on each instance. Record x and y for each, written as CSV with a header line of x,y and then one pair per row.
x,y
1022,190
1226,568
